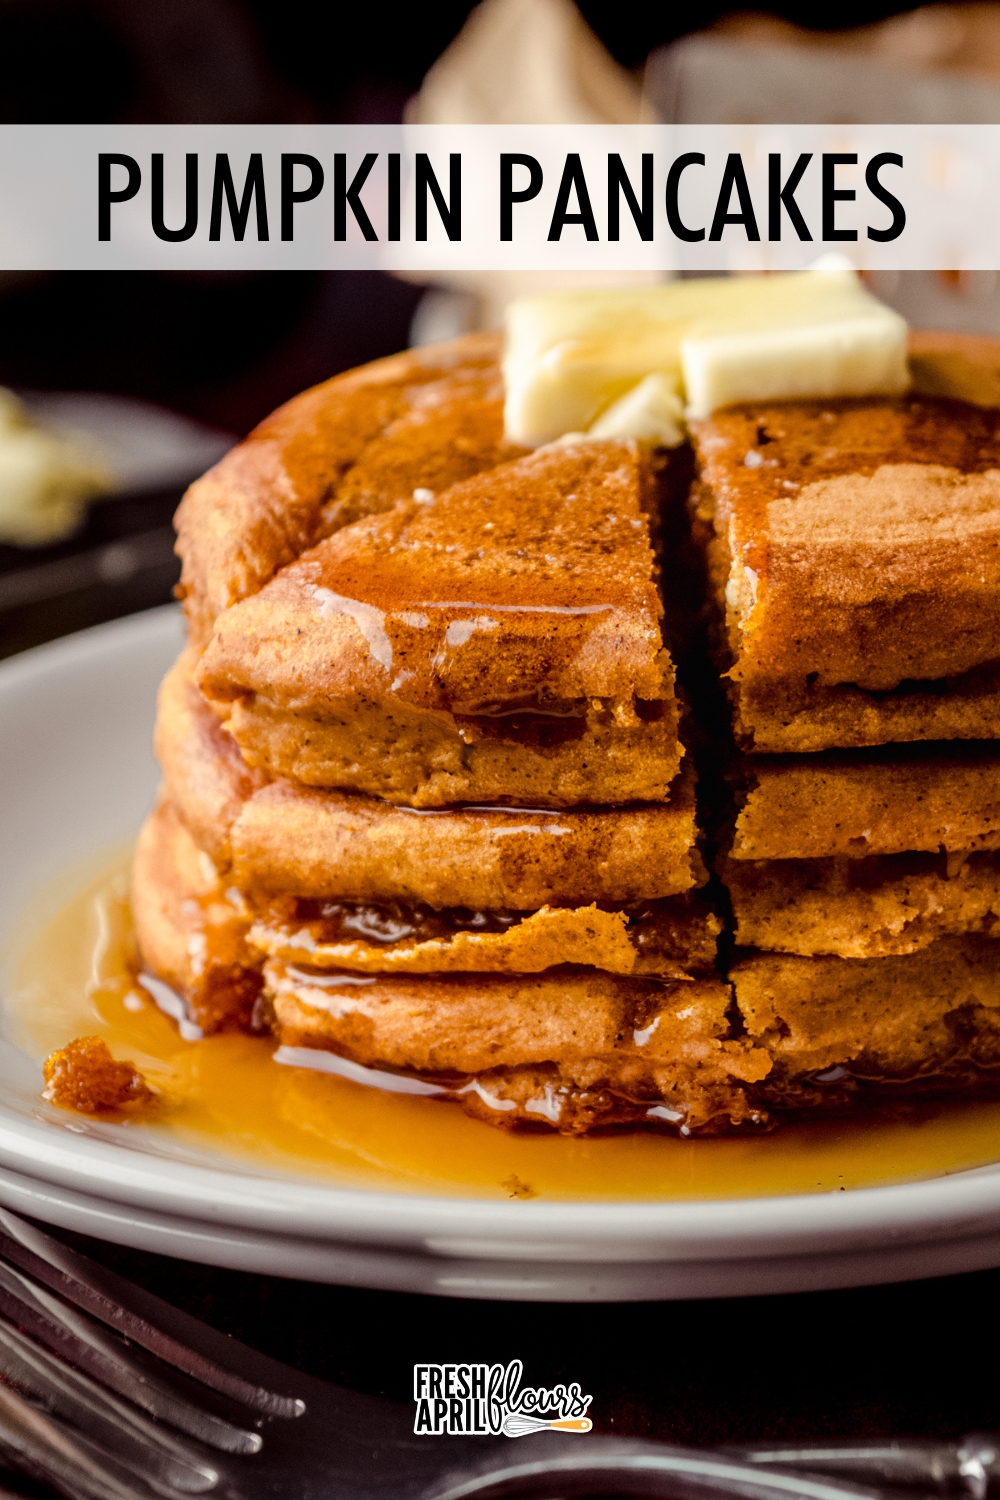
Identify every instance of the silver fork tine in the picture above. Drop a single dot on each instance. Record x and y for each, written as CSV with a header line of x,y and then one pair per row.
x,y
86,1345
113,1424
40,1448
76,1279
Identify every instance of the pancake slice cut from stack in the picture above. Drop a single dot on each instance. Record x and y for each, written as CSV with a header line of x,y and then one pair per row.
x,y
435,763
499,642
864,854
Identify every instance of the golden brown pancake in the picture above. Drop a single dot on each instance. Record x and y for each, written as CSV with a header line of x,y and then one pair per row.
x,y
428,760
595,1048
962,708
286,839
407,617
670,938
856,557
886,802
568,1049
194,923
354,445
191,927
498,642
205,776
814,1033
862,908
326,844
907,1018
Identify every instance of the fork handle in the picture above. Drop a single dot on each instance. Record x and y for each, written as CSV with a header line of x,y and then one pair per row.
x,y
969,1467
546,1465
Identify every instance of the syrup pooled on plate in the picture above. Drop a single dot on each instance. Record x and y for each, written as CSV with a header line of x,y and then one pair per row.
x,y
76,974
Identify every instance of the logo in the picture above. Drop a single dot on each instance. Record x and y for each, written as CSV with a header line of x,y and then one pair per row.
x,y
489,1400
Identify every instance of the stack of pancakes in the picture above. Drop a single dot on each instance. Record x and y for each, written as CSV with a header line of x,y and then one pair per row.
x,y
428,815
426,806
855,553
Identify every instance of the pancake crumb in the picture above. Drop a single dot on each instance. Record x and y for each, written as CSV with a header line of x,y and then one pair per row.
x,y
515,1188
83,1076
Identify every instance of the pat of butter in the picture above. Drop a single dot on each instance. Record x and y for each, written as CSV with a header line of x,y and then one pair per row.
x,y
45,479
652,410
572,355
861,355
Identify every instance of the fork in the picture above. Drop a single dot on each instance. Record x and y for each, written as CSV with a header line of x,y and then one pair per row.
x,y
109,1393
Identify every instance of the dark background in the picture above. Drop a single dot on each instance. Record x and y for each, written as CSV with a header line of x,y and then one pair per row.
x,y
230,347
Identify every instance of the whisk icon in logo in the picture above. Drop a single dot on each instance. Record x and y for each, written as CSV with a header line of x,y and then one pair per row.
x,y
489,1400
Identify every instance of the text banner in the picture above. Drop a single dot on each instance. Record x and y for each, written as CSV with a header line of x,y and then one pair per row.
x,y
430,198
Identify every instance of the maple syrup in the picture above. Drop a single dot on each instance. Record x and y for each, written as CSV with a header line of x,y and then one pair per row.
x,y
75,973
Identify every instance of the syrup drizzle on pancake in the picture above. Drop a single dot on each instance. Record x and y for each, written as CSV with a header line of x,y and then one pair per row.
x,y
76,973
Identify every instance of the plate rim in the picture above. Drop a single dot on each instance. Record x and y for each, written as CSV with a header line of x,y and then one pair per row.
x,y
391,1268
966,1202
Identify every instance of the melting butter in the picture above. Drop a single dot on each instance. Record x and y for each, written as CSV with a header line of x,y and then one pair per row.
x,y
651,410
581,361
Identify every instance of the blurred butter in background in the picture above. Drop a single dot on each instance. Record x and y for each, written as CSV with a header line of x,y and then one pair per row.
x,y
46,477
60,450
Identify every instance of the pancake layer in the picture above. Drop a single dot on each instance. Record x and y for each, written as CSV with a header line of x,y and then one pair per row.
x,y
862,908
500,641
888,801
908,1018
856,561
814,1034
598,1048
208,939
191,927
282,838
345,449
671,938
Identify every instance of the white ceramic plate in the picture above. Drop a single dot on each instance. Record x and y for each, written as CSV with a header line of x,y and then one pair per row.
x,y
76,776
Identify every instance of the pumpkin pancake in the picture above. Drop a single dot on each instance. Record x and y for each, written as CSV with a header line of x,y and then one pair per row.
x,y
884,801
577,1050
281,838
926,1020
191,926
862,908
568,1049
498,642
670,938
855,555
428,816
351,446
193,921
